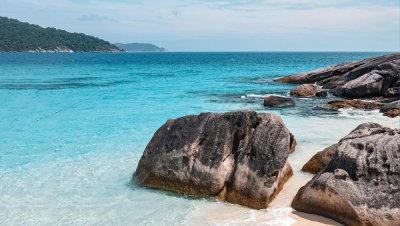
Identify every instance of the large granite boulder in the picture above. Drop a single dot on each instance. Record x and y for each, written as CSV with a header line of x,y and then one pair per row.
x,y
241,157
391,105
361,184
305,90
374,83
322,158
278,101
384,68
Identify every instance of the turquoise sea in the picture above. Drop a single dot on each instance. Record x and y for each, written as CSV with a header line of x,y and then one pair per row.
x,y
73,128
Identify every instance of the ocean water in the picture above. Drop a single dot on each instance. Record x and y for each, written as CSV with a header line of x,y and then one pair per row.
x,y
73,128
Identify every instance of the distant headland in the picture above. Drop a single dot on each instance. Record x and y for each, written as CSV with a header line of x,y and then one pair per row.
x,y
17,36
140,47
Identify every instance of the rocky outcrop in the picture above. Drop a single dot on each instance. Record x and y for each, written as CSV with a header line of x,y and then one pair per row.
x,y
322,93
241,157
320,160
374,83
369,77
361,184
278,101
356,104
305,90
391,109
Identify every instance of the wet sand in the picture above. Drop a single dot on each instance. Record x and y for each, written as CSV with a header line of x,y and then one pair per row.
x,y
304,219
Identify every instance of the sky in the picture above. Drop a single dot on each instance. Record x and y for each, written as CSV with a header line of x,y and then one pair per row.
x,y
224,25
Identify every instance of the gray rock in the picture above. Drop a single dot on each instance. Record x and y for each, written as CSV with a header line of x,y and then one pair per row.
x,y
305,90
278,101
360,185
390,106
337,76
320,160
367,125
391,109
374,83
241,157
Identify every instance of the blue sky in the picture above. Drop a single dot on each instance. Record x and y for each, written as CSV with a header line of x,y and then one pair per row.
x,y
224,25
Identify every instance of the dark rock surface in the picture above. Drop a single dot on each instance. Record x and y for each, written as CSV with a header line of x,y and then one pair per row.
x,y
241,157
361,184
368,77
374,83
322,93
320,160
278,101
305,90
391,109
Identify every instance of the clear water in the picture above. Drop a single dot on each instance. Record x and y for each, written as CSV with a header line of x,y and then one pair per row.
x,y
73,128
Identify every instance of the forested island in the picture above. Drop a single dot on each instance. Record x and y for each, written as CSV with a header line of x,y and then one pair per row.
x,y
17,36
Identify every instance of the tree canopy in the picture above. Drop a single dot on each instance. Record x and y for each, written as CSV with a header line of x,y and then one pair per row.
x,y
17,36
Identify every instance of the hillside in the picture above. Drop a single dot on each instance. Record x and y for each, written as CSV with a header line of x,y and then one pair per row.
x,y
16,36
140,47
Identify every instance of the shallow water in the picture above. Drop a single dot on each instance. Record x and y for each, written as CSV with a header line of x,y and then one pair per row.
x,y
73,128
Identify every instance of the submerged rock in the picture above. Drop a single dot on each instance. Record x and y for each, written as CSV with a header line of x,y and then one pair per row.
x,y
241,157
356,104
278,101
305,90
361,184
392,113
391,109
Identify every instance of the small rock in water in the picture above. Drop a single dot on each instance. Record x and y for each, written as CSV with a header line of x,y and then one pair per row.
x,y
278,101
391,109
322,93
305,90
392,113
